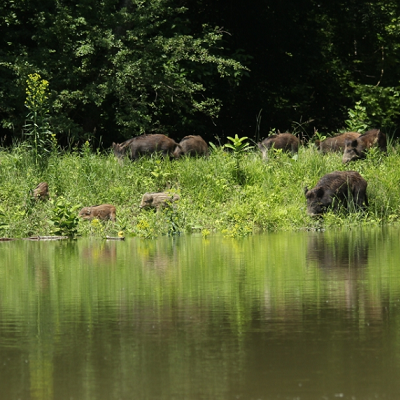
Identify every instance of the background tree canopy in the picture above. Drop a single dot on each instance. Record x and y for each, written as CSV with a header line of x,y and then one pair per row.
x,y
119,68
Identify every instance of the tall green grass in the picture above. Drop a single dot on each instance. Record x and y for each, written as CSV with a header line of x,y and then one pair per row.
x,y
215,195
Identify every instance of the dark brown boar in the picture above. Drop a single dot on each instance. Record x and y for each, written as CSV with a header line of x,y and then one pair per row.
x,y
103,212
336,143
284,141
335,189
357,148
145,145
158,200
192,145
41,191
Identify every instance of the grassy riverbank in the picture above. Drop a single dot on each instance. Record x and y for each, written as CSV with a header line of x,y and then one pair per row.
x,y
235,196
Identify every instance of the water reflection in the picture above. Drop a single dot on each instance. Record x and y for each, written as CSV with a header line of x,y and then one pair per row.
x,y
302,315
350,264
338,249
158,256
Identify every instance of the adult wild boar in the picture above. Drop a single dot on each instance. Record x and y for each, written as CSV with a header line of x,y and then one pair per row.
x,y
158,200
102,211
145,145
357,148
335,143
284,141
192,145
335,189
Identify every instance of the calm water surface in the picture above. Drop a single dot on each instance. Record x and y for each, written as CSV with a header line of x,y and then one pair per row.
x,y
277,316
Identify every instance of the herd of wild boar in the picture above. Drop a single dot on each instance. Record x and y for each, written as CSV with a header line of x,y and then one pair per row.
x,y
338,188
333,190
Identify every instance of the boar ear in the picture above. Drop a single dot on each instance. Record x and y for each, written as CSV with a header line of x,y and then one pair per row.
x,y
320,191
354,143
305,190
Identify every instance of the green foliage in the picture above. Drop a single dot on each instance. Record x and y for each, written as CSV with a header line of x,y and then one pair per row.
x,y
133,65
64,219
3,223
318,136
381,105
122,68
357,119
239,146
160,174
213,198
37,127
151,223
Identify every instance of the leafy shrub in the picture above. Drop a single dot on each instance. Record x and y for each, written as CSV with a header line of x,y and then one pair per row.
x,y
64,219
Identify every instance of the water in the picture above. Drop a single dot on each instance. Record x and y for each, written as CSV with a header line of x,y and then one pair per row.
x,y
277,316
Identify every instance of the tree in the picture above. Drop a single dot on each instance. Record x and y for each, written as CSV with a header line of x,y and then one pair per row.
x,y
310,60
115,68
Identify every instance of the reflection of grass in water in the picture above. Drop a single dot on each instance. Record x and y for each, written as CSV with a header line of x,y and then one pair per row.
x,y
106,297
272,275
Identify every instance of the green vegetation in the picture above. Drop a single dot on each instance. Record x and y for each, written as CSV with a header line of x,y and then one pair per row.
x,y
268,197
113,67
121,68
37,127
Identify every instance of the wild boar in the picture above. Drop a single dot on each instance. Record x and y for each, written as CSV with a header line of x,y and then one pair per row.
x,y
335,143
41,191
284,141
336,189
145,145
158,200
103,212
192,145
357,148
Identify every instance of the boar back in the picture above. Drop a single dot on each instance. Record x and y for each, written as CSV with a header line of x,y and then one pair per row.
x,y
335,189
192,145
158,200
356,149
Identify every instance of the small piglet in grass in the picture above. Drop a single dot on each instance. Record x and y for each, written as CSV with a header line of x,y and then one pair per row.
x,y
103,212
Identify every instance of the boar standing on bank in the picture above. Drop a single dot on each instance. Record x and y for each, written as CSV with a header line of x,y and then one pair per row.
x,y
103,212
335,189
284,141
192,145
41,191
145,145
336,143
357,148
158,200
